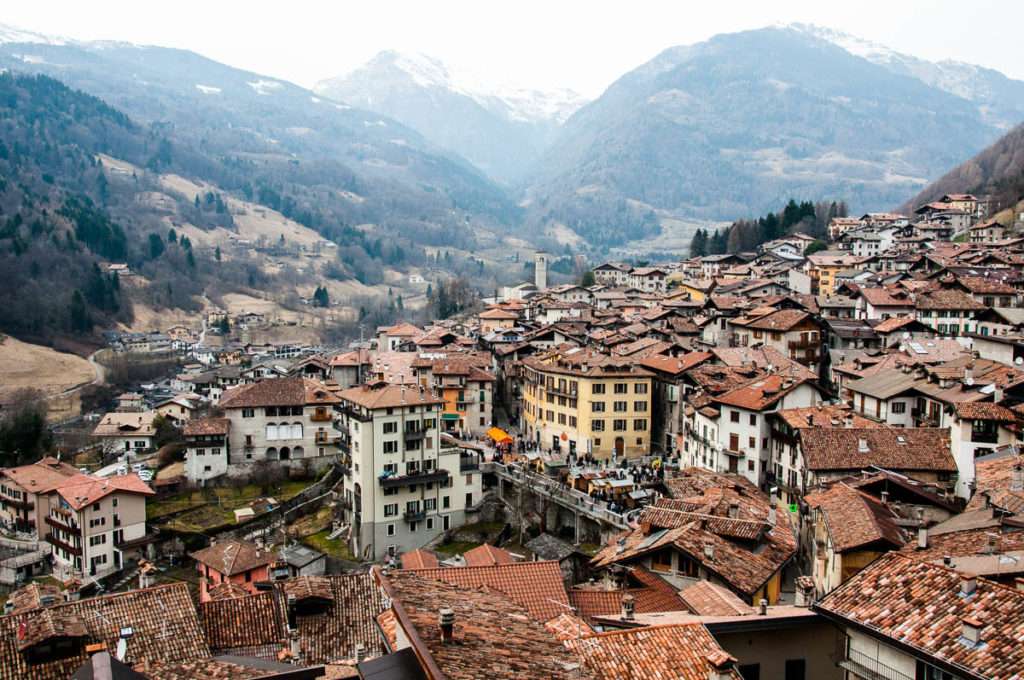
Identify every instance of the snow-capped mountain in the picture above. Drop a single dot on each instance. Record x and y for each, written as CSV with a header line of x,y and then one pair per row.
x,y
500,127
997,97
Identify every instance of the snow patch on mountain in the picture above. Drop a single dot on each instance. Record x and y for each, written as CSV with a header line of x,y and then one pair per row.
x,y
265,86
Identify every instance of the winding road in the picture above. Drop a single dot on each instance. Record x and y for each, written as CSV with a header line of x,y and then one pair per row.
x,y
97,368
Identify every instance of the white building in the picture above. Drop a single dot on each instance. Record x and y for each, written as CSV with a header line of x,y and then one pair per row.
x,y
406,486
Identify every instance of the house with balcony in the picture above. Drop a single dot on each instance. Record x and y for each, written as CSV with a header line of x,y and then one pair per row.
x,y
406,482
466,387
279,420
236,564
96,525
793,332
126,433
903,618
24,493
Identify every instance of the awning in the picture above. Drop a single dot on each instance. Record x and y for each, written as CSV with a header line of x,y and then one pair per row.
x,y
499,435
449,416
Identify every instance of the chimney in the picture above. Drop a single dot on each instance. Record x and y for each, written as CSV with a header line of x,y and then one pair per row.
x,y
734,510
720,665
991,544
862,444
446,620
922,538
1017,478
804,591
291,612
810,420
763,606
848,421
971,630
947,561
969,373
968,584
772,514
360,652
294,646
885,497
620,546
998,394
628,607
709,549
1019,583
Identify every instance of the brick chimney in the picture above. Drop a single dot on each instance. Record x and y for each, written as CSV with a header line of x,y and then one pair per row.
x,y
446,622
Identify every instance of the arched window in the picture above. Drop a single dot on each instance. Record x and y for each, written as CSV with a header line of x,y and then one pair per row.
x,y
297,452
272,453
272,432
296,430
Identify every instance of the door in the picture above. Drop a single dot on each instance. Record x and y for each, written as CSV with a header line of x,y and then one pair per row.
x,y
620,446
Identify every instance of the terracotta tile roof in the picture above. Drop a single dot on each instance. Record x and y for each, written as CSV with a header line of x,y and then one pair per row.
x,y
389,627
114,424
248,621
695,481
856,520
945,298
798,418
921,606
838,448
984,410
29,597
389,396
680,652
419,559
892,323
782,320
675,365
567,626
883,297
40,476
47,624
993,478
706,599
278,392
304,588
403,329
650,594
984,284
498,314
760,393
164,620
82,490
226,590
206,426
487,555
493,637
328,633
234,557
208,668
966,543
532,585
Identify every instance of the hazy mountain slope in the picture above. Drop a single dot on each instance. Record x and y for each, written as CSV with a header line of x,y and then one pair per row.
x,y
737,125
1000,100
255,119
501,132
997,169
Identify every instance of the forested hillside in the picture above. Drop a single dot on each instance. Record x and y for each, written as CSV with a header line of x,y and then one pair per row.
x,y
745,235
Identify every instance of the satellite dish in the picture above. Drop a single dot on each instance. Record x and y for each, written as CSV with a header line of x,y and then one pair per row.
x,y
719,447
122,649
969,381
1019,361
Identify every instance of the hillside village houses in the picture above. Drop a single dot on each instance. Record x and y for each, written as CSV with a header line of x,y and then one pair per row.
x,y
763,442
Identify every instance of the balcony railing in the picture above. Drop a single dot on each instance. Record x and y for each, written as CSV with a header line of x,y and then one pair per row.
x,y
21,504
417,516
925,417
67,547
325,416
863,666
415,435
65,524
421,477
356,415
804,343
469,463
985,437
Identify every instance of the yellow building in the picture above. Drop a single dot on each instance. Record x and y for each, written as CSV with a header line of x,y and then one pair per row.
x,y
689,289
577,400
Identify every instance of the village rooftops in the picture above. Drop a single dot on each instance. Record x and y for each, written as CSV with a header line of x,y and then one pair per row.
x,y
278,392
856,520
381,395
759,394
926,609
115,424
823,415
860,448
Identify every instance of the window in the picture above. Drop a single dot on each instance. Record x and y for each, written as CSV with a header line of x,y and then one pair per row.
x,y
248,413
619,406
391,447
640,406
753,419
597,425
621,388
734,442
561,419
469,499
639,424
598,407
597,388
640,388
752,442
619,425
413,526
446,501
734,416
430,523
429,504
550,415
412,467
391,509
796,669
95,506
572,421
899,407
391,469
662,560
391,530
597,442
113,502
390,428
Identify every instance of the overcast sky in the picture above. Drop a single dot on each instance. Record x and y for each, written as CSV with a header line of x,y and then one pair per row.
x,y
543,44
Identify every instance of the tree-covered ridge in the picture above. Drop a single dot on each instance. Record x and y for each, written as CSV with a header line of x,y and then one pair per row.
x,y
745,235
